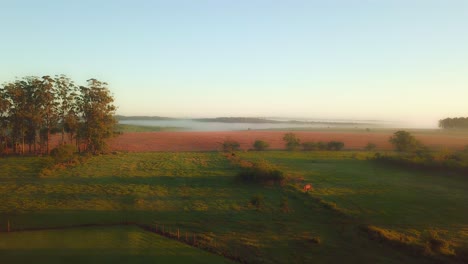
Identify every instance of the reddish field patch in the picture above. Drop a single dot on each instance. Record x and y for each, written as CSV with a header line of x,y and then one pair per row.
x,y
208,141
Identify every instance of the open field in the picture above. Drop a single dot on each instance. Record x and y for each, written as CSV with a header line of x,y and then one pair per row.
x,y
407,201
209,141
98,245
196,193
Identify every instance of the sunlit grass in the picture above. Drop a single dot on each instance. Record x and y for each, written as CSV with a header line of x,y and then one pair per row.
x,y
395,198
197,193
98,245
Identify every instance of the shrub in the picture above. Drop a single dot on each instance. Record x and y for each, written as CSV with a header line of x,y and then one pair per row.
x,y
262,173
436,244
284,204
230,145
292,141
260,145
370,146
258,201
308,146
63,153
335,145
321,145
404,141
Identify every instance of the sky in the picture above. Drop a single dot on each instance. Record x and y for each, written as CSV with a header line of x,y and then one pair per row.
x,y
348,59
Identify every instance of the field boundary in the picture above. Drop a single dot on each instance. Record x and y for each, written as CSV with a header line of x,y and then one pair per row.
x,y
192,240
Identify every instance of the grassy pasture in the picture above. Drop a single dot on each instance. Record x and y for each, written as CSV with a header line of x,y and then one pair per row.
x,y
98,245
408,201
196,193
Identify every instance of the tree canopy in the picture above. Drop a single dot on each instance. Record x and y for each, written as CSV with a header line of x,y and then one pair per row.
x,y
404,141
292,141
32,108
457,122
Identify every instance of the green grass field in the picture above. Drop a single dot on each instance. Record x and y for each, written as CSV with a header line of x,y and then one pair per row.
x,y
196,193
98,245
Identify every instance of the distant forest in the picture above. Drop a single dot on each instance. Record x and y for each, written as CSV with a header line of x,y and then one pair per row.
x,y
121,118
457,122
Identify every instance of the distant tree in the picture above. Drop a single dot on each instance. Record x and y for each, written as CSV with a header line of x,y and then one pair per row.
x,y
260,145
97,114
405,142
457,122
321,145
370,146
308,146
335,145
292,141
230,145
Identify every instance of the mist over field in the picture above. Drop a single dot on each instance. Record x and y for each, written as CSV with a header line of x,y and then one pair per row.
x,y
276,132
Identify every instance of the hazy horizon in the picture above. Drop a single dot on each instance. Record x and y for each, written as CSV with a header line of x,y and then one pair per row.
x,y
355,60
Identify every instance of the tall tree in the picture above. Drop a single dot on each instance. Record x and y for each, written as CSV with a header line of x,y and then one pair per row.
x,y
67,93
4,111
97,113
18,113
46,99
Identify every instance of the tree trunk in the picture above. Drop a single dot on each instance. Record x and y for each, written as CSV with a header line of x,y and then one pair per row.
x,y
48,136
22,142
63,135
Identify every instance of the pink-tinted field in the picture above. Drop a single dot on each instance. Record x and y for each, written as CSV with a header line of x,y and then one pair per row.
x,y
208,141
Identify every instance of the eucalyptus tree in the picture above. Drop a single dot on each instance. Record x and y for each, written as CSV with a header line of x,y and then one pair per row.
x,y
67,94
97,115
47,104
32,110
16,96
4,112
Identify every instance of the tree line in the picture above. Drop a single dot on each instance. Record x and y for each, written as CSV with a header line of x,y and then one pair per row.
x,y
457,122
33,108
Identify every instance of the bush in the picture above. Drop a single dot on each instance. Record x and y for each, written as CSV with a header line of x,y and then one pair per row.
x,y
284,204
436,244
404,141
230,145
292,141
370,146
63,153
260,145
308,146
321,145
335,145
262,173
258,201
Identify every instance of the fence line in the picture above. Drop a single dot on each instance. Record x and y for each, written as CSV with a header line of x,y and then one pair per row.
x,y
193,239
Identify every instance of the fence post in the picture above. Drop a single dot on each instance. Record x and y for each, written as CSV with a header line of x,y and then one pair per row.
x,y
186,237
178,234
8,226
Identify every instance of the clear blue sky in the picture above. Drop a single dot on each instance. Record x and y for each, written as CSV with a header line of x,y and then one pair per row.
x,y
367,59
